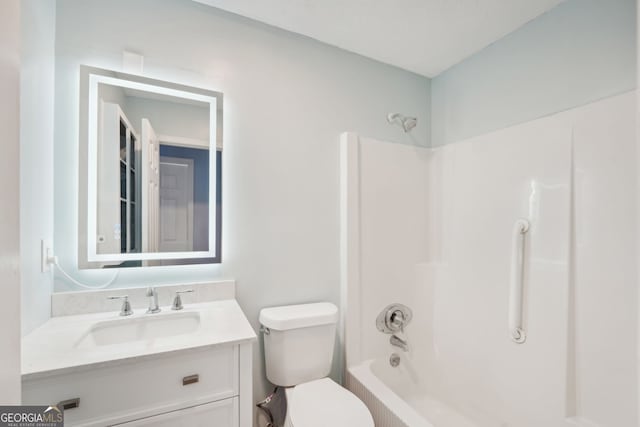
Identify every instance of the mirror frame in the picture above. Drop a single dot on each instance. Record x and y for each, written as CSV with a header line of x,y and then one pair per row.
x,y
88,256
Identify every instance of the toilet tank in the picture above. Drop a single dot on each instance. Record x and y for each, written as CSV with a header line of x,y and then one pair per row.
x,y
298,342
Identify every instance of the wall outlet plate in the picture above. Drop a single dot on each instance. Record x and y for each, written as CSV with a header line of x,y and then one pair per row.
x,y
46,250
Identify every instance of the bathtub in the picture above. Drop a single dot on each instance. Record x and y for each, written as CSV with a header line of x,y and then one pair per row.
x,y
396,399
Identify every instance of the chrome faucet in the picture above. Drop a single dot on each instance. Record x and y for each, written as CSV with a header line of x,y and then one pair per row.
x,y
152,293
125,310
177,301
399,342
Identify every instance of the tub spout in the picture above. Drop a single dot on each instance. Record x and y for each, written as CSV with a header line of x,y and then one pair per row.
x,y
399,342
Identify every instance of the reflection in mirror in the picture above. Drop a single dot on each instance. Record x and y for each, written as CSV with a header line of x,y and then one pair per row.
x,y
153,172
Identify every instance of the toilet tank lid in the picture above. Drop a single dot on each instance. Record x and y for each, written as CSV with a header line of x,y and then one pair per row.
x,y
299,316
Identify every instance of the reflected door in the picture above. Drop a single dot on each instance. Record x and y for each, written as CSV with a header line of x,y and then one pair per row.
x,y
176,204
150,188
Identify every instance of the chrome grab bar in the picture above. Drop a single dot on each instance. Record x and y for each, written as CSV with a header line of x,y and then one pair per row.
x,y
516,330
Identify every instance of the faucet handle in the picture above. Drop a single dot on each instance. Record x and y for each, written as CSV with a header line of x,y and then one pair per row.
x,y
393,318
125,310
177,301
396,320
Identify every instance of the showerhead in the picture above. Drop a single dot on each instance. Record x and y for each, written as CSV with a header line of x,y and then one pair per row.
x,y
392,117
407,123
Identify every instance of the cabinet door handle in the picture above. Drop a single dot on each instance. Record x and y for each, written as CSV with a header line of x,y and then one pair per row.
x,y
191,379
69,404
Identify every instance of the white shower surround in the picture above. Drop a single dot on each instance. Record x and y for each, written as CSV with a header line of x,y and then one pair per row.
x,y
434,226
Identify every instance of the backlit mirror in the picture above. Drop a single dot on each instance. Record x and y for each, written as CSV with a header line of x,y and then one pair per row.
x,y
152,179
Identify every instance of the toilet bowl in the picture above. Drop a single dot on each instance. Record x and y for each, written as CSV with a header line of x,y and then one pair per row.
x,y
298,350
323,403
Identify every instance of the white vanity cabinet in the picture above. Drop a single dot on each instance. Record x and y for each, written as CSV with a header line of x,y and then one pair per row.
x,y
193,387
223,413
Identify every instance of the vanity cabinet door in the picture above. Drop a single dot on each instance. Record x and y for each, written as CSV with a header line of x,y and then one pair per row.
x,y
114,394
223,413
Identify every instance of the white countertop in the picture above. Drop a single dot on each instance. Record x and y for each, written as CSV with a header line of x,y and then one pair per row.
x,y
53,347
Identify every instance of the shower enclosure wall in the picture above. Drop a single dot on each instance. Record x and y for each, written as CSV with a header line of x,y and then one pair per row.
x,y
433,229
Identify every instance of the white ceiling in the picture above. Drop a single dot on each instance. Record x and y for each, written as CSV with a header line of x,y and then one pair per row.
x,y
423,36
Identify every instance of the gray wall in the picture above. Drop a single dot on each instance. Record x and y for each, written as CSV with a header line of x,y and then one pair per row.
x,y
10,36
579,52
287,99
36,151
171,119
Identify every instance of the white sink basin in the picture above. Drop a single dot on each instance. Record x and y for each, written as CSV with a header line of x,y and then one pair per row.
x,y
146,328
64,343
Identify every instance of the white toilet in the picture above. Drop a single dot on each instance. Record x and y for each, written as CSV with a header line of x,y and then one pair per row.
x,y
298,349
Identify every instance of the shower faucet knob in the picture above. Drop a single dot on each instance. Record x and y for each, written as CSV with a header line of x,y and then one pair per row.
x,y
397,319
393,318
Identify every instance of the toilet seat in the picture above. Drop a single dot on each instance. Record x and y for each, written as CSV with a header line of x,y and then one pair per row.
x,y
323,403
